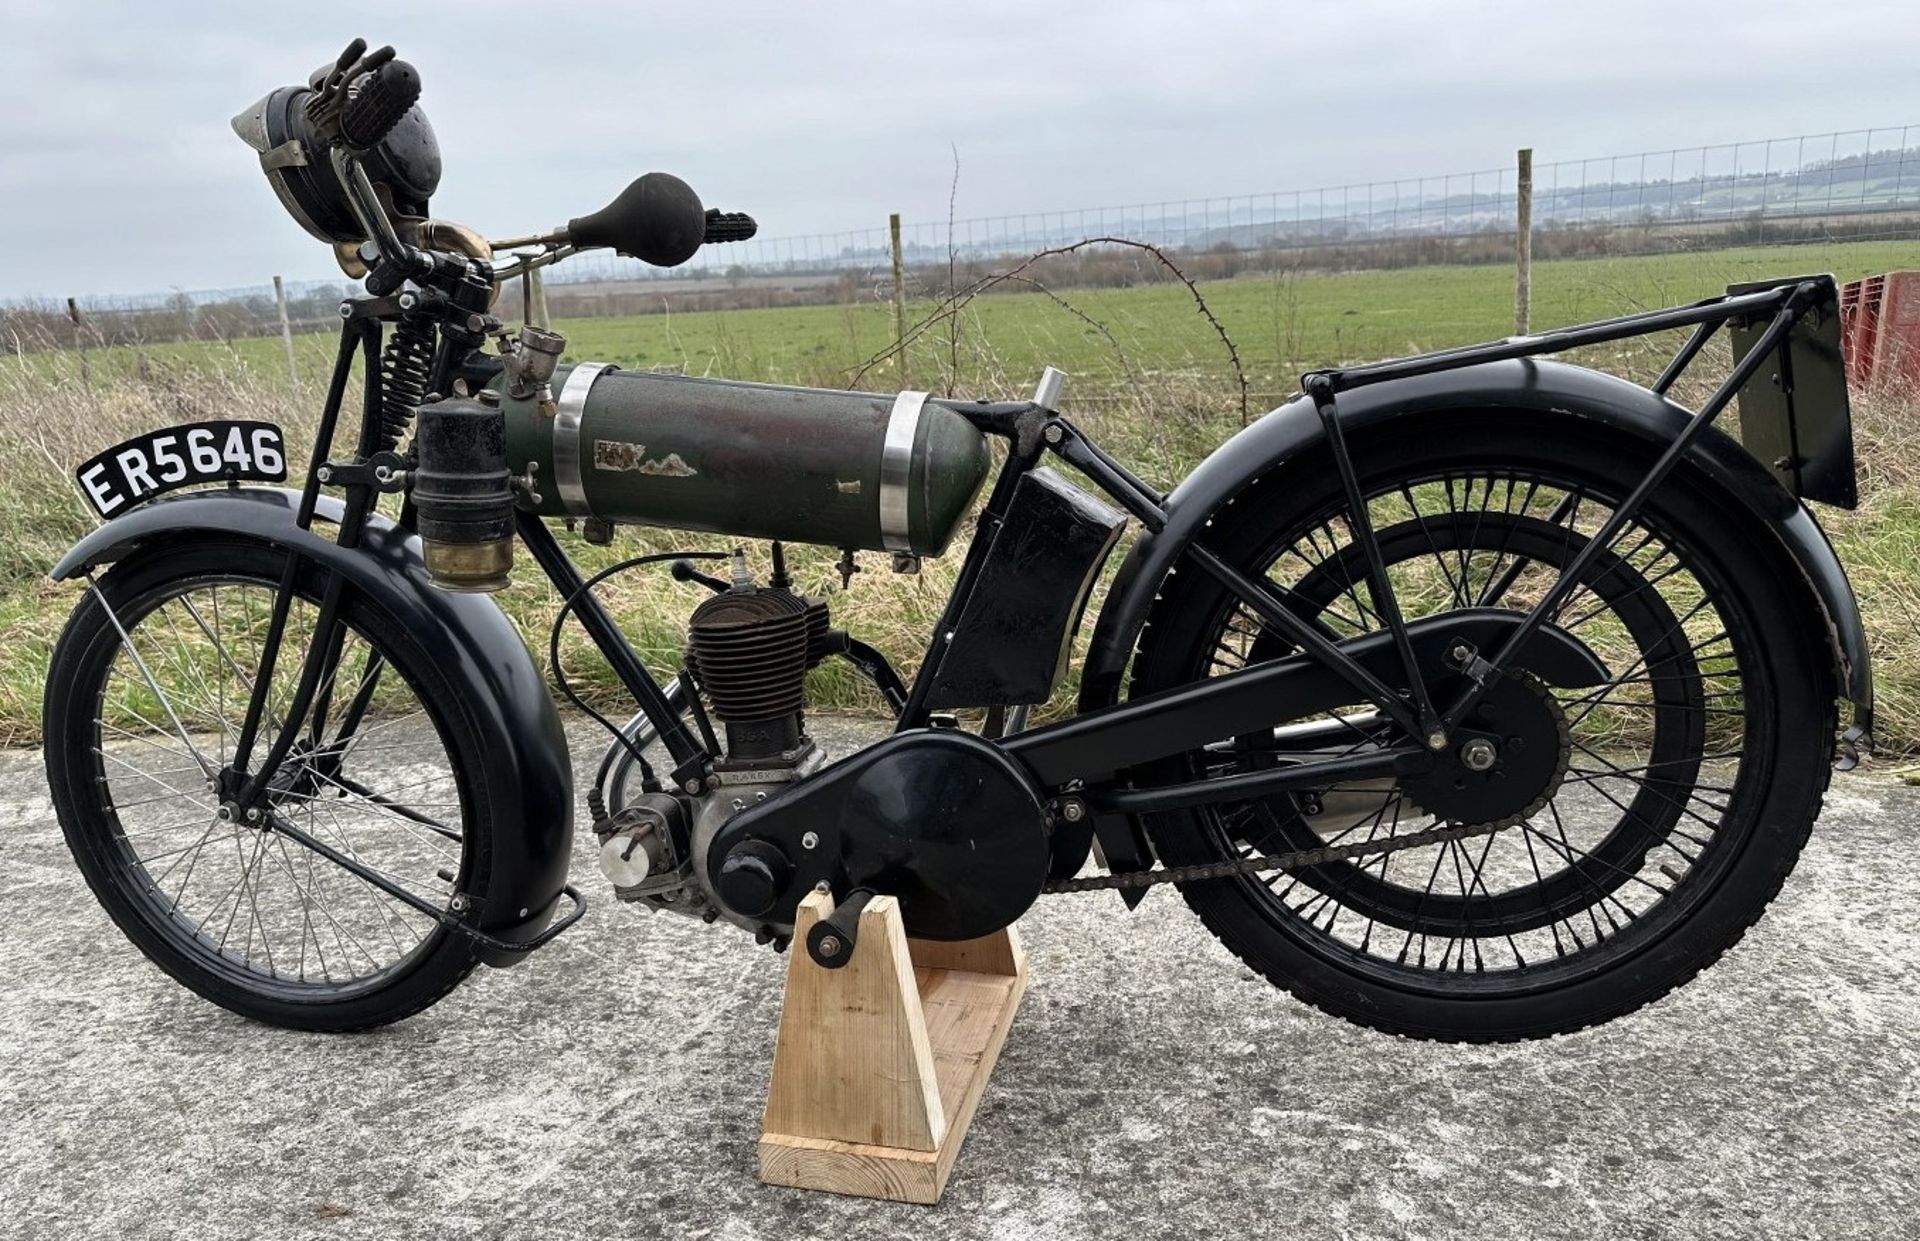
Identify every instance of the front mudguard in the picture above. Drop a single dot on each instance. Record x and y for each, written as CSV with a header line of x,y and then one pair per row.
x,y
528,772
1545,387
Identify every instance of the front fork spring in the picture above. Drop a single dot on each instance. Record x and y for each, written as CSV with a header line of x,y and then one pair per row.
x,y
405,366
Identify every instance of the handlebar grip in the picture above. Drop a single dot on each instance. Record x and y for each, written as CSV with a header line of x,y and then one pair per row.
x,y
729,226
382,99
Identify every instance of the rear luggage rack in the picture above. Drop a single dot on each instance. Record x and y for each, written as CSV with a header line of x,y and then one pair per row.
x,y
1795,419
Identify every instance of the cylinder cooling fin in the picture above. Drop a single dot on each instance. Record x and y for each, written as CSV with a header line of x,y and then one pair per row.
x,y
749,650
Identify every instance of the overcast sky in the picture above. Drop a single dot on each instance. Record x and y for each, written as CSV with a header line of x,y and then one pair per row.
x,y
120,175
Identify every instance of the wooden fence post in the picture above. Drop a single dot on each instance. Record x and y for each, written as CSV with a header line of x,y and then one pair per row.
x,y
899,298
1523,245
286,331
80,341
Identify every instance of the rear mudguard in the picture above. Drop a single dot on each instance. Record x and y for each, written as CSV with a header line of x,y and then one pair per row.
x,y
1542,386
528,771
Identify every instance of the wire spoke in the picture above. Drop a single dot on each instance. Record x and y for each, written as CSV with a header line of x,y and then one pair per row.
x,y
237,892
1563,882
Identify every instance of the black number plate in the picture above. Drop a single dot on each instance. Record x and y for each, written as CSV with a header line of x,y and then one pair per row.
x,y
196,452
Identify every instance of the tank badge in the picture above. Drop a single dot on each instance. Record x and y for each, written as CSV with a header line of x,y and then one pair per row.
x,y
622,457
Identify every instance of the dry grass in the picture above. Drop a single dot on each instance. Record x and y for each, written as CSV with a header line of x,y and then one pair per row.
x,y
52,416
1880,544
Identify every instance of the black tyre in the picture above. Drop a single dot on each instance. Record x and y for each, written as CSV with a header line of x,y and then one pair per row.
x,y
147,692
1683,789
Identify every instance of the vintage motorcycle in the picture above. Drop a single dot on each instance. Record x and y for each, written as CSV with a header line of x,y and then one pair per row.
x,y
1471,695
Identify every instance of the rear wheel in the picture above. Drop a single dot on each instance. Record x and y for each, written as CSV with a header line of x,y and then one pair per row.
x,y
1642,824
147,692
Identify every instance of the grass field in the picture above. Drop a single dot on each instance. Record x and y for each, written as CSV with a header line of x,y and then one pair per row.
x,y
1280,326
1150,379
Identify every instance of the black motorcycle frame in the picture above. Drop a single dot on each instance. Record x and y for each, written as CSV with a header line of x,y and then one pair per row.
x,y
1086,758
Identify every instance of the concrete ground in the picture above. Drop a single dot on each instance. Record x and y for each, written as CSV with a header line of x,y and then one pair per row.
x,y
1152,1087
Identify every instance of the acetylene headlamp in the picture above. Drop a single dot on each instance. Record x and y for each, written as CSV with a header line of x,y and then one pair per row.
x,y
404,167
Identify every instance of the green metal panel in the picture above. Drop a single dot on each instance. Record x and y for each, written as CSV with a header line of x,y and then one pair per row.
x,y
749,460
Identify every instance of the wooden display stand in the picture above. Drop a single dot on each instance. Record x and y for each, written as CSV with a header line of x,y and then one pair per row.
x,y
880,1063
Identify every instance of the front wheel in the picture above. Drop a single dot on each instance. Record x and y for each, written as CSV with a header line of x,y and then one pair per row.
x,y
147,693
1631,831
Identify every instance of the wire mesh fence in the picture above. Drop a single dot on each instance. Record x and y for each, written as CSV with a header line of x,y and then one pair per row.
x,y
1856,184
1778,190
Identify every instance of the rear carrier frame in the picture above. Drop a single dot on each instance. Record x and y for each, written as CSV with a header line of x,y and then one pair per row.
x,y
1794,415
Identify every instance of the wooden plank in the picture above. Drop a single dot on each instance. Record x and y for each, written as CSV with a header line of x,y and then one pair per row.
x,y
852,1062
963,1011
998,953
850,1168
964,1017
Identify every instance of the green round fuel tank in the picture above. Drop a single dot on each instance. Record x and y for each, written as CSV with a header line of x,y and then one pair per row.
x,y
752,460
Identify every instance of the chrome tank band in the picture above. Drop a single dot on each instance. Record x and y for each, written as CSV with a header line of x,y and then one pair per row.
x,y
571,403
896,470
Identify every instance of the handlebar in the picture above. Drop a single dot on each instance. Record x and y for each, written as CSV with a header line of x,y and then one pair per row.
x,y
380,101
729,226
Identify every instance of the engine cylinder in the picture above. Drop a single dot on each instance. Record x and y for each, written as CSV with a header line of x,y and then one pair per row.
x,y
749,648
839,469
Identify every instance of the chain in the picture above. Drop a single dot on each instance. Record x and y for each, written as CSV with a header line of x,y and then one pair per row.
x,y
1298,859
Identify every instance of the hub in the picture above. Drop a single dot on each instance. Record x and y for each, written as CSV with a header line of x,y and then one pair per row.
x,y
1507,758
300,777
1479,754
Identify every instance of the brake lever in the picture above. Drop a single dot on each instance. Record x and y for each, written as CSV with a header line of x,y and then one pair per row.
x,y
329,94
330,83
